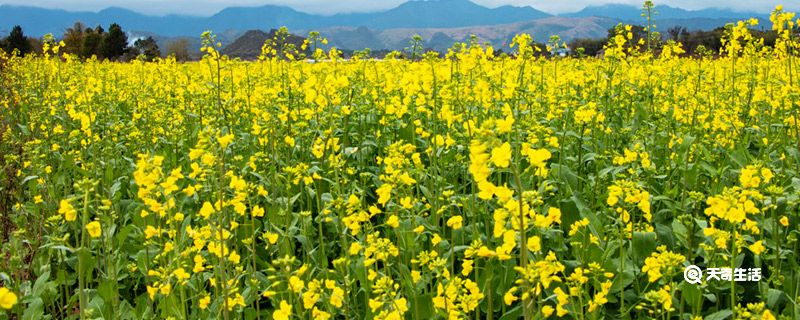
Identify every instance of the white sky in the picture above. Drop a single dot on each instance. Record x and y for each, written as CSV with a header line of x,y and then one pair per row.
x,y
208,7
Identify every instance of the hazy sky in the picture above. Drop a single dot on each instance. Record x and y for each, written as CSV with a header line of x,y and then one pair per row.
x,y
208,7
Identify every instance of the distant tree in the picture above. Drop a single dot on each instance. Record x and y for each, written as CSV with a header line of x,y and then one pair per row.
x,y
36,45
677,33
92,42
147,47
73,38
114,42
709,40
179,49
590,46
17,40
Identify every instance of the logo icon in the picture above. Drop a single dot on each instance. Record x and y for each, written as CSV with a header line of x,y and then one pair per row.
x,y
692,274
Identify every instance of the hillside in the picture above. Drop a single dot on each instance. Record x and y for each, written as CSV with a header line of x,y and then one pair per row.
x,y
248,46
443,38
412,14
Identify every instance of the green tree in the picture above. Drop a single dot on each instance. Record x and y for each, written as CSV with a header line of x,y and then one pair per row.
x,y
179,48
73,38
92,42
17,40
146,47
114,42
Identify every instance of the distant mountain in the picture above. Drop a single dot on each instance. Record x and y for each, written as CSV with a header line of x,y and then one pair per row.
x,y
38,21
248,46
439,14
412,14
442,38
703,19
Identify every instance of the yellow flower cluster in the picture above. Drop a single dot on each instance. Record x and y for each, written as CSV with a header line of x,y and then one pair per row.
x,y
661,263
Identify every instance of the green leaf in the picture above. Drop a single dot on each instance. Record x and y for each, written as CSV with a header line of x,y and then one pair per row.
x,y
774,297
719,315
28,178
643,244
34,310
422,306
576,205
515,313
41,284
565,175
680,232
623,280
691,293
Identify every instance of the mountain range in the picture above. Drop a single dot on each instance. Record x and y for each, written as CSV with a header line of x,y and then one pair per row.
x,y
440,22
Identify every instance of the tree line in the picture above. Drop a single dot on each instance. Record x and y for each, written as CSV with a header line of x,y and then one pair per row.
x,y
87,42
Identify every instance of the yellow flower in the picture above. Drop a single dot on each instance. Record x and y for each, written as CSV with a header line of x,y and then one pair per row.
x,y
547,311
509,297
317,314
94,229
234,257
337,297
150,232
487,190
539,157
355,248
198,264
165,289
485,252
393,221
296,284
436,239
503,193
204,302
69,212
563,300
534,243
257,211
455,222
757,247
206,210
151,291
180,274
661,262
501,155
416,276
384,193
225,140
466,267
289,141
407,203
7,298
284,313
505,125
784,221
272,238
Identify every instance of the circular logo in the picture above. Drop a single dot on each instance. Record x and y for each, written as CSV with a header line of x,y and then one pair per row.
x,y
692,274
